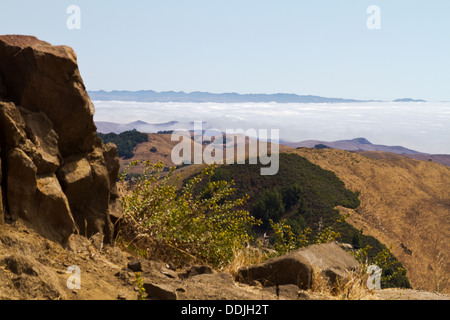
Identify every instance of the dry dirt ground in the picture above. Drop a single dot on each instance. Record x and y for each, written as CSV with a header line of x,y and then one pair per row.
x,y
34,268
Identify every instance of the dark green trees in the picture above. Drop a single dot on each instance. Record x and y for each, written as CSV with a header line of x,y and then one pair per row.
x,y
125,141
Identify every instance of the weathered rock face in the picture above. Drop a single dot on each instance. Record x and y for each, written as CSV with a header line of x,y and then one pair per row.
x,y
55,172
45,78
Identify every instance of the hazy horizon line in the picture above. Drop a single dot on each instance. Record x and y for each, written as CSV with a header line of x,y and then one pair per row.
x,y
244,94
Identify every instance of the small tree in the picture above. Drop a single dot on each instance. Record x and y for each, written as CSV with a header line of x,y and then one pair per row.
x,y
269,206
291,195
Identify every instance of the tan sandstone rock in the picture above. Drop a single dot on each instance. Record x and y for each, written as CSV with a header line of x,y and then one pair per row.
x,y
42,77
57,174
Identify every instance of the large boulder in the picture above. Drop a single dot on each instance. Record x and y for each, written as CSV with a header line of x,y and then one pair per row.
x,y
297,267
57,174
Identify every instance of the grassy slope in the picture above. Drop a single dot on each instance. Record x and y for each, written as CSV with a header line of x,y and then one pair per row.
x,y
404,202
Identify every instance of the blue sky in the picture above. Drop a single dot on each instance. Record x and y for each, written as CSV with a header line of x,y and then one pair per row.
x,y
320,47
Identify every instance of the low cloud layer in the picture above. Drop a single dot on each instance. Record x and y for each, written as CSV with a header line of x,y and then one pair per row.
x,y
423,127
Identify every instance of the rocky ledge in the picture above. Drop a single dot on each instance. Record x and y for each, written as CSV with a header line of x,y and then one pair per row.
x,y
34,268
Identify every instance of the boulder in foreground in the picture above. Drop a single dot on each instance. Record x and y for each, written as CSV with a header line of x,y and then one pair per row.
x,y
297,267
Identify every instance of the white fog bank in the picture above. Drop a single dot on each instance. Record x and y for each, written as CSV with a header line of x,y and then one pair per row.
x,y
421,126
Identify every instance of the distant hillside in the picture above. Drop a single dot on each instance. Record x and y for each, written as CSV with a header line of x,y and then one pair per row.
x,y
443,159
141,126
172,96
358,144
362,145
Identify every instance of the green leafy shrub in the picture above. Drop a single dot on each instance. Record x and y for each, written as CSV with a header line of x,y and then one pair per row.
x,y
184,226
285,240
393,273
140,285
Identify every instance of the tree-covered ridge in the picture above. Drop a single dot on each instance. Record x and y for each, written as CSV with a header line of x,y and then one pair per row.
x,y
125,141
304,196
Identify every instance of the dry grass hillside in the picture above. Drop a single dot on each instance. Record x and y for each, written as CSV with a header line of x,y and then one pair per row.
x,y
164,146
404,202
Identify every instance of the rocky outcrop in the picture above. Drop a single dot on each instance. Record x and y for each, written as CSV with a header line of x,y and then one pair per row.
x,y
297,267
56,173
45,78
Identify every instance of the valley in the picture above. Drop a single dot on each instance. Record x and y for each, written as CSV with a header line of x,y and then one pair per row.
x,y
404,202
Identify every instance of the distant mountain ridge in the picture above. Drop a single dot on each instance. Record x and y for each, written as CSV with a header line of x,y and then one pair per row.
x,y
358,144
199,97
232,97
365,147
408,100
